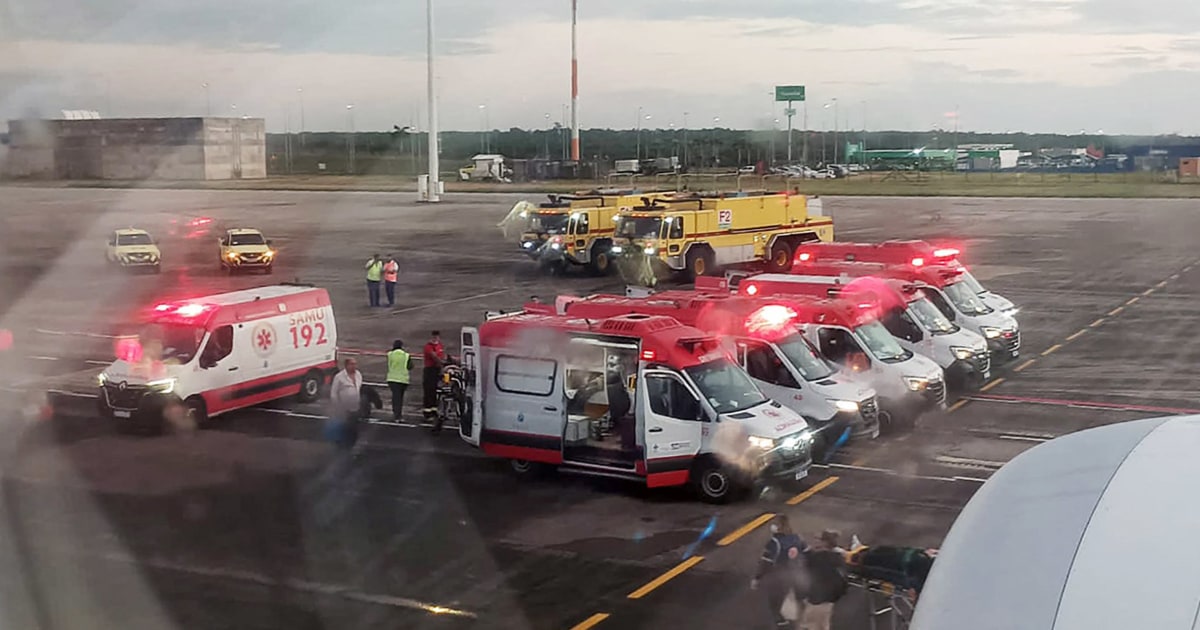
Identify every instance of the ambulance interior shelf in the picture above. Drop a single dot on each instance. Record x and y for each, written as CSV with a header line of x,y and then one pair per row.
x,y
600,383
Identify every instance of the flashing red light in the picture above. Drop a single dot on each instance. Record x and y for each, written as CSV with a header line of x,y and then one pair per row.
x,y
918,261
649,355
191,310
198,221
770,319
751,289
162,307
128,349
947,252
6,339
804,256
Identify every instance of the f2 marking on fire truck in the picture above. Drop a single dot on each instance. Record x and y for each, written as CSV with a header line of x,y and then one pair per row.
x,y
724,218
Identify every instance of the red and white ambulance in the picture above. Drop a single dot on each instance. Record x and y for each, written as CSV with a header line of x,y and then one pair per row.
x,y
762,338
903,252
638,397
223,352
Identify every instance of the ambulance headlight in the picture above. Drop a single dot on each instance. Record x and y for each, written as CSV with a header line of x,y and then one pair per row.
x,y
164,386
650,251
556,246
991,332
527,244
916,383
617,249
101,379
805,437
764,443
848,406
962,352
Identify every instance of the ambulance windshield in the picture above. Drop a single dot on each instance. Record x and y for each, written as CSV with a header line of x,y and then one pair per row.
x,y
172,341
802,356
639,227
930,317
881,343
726,387
971,282
965,299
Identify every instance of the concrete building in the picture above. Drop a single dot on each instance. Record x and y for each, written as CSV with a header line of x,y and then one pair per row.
x,y
137,148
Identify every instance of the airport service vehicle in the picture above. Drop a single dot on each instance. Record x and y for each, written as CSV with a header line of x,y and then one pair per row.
x,y
947,288
850,334
902,308
760,335
696,234
588,236
898,252
222,352
485,167
133,248
637,396
536,226
245,248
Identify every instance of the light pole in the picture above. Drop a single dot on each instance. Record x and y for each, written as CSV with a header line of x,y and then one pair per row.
x,y
862,155
716,155
638,126
685,141
432,194
835,130
300,93
546,138
824,131
207,100
774,129
350,139
483,129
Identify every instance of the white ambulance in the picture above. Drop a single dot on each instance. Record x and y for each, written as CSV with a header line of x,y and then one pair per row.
x,y
222,352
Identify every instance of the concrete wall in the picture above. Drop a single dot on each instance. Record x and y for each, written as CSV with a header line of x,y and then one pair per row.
x,y
137,148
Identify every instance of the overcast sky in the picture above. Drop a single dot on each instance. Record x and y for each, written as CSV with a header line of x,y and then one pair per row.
x,y
1122,66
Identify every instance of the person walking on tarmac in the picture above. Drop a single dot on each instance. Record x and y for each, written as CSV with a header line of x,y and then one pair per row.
x,y
391,273
399,364
435,359
374,268
782,571
345,404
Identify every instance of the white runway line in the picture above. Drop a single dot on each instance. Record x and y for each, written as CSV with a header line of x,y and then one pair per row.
x,y
444,302
73,333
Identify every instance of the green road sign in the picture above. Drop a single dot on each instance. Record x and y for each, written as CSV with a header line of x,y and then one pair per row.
x,y
789,92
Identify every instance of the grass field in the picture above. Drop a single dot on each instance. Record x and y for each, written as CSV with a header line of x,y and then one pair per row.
x,y
1128,185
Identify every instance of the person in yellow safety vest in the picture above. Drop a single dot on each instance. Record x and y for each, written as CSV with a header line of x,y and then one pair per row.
x,y
399,364
374,274
391,271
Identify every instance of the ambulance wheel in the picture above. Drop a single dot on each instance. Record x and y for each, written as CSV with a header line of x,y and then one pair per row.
x,y
196,412
781,257
699,263
714,482
526,469
310,387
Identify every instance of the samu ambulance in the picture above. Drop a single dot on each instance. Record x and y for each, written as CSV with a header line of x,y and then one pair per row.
x,y
850,334
903,309
760,335
636,397
223,352
897,252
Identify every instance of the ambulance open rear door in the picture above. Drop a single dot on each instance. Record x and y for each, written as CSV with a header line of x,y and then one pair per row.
x,y
471,426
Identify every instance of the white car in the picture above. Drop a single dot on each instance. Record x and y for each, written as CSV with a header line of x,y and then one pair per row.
x,y
133,248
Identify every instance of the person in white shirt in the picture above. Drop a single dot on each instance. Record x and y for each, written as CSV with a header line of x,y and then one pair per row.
x,y
345,399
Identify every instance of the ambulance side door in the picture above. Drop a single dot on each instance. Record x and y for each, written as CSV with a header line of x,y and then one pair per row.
x,y
526,407
470,427
220,369
674,421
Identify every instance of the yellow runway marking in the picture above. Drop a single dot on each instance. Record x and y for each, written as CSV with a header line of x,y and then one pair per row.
x,y
1097,323
1161,284
1149,291
1131,301
1077,335
1116,311
991,385
807,494
732,537
664,578
590,621
1051,349
1024,365
956,406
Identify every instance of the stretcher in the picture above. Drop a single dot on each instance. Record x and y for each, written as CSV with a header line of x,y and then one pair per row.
x,y
890,594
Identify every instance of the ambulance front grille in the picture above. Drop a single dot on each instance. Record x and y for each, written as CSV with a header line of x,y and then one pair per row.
x,y
128,397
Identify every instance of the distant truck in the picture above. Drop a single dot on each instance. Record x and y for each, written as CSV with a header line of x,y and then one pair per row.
x,y
696,234
486,167
627,166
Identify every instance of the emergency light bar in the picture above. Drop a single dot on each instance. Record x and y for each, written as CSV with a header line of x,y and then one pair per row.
x,y
947,252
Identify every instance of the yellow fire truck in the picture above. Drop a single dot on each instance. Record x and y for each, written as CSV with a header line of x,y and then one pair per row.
x,y
572,229
698,234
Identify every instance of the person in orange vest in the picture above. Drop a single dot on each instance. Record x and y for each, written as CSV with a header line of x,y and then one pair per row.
x,y
391,272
